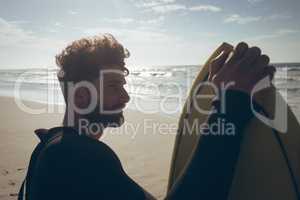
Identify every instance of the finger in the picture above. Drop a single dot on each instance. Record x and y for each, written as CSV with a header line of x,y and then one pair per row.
x,y
262,61
251,56
220,60
218,63
239,51
270,70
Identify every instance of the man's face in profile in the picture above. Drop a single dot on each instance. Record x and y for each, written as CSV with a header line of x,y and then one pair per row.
x,y
111,97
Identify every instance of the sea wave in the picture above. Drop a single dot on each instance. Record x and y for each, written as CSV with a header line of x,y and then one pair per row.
x,y
151,82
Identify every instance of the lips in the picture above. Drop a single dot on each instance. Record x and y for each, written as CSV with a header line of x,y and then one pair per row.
x,y
119,107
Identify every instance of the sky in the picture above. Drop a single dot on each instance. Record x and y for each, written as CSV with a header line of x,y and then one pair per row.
x,y
156,32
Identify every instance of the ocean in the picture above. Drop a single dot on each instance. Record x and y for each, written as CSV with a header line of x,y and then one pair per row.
x,y
156,89
144,148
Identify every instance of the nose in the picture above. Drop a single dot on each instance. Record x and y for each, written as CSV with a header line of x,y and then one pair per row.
x,y
125,98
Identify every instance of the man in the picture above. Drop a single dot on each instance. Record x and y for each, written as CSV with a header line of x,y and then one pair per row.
x,y
71,162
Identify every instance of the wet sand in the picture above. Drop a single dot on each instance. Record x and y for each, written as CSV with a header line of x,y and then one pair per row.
x,y
144,145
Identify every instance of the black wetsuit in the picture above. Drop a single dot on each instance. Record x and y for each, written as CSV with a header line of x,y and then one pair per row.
x,y
78,167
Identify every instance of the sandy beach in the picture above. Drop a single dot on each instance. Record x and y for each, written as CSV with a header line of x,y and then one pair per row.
x,y
144,144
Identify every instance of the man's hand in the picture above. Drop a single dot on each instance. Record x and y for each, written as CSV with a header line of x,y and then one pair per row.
x,y
243,68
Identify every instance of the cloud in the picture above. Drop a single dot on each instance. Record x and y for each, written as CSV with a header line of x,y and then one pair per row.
x,y
209,34
133,35
72,12
168,8
276,34
151,3
210,8
255,1
58,24
142,22
11,34
277,17
55,27
147,46
120,20
286,31
155,21
19,22
235,18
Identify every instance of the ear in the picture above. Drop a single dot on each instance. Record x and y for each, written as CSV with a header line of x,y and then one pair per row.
x,y
82,97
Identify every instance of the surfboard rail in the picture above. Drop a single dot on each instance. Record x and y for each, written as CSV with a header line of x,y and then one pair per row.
x,y
267,155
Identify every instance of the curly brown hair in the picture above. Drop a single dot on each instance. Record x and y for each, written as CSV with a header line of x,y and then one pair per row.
x,y
83,58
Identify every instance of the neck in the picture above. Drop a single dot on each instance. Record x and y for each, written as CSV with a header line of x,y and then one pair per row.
x,y
81,125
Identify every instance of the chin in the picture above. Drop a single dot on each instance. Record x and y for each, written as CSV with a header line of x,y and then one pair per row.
x,y
117,121
106,120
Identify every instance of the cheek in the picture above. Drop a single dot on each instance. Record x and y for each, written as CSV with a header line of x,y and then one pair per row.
x,y
110,100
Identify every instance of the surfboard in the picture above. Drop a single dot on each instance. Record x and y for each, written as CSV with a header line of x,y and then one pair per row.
x,y
269,162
